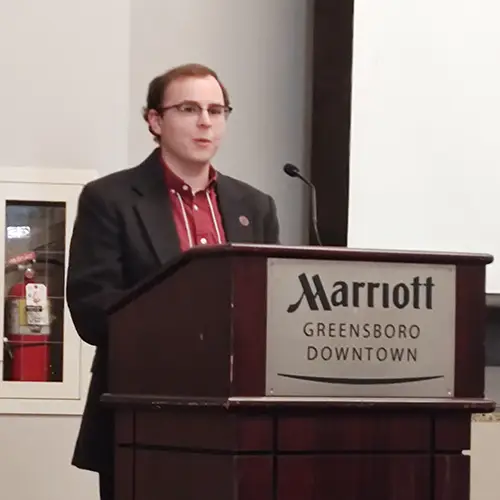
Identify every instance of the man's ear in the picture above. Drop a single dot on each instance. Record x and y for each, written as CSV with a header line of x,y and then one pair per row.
x,y
154,120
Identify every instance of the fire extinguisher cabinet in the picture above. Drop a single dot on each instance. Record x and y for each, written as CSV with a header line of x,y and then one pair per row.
x,y
44,365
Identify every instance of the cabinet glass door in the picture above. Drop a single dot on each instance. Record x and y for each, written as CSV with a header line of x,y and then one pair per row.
x,y
40,348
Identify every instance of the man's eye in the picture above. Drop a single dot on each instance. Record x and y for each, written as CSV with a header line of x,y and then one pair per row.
x,y
187,108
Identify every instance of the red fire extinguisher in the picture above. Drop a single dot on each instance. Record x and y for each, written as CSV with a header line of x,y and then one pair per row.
x,y
28,328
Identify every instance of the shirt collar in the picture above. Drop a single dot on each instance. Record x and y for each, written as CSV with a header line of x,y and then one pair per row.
x,y
176,183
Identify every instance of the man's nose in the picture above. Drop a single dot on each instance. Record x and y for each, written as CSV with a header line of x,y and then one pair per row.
x,y
204,119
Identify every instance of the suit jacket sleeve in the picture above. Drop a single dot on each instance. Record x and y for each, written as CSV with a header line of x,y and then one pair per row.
x,y
95,277
271,225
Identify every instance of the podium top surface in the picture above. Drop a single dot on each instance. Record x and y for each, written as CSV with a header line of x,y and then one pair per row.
x,y
299,252
331,253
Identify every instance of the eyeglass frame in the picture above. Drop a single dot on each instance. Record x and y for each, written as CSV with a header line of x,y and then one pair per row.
x,y
226,108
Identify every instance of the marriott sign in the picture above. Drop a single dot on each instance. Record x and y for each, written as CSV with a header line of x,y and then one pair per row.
x,y
370,329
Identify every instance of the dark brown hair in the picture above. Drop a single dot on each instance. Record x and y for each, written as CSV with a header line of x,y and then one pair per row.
x,y
159,85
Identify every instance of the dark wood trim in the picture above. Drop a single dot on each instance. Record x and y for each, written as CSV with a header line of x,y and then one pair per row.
x,y
470,325
331,116
146,402
249,327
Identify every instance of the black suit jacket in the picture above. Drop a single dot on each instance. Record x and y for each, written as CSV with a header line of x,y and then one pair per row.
x,y
125,231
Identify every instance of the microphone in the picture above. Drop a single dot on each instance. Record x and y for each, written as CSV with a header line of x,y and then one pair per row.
x,y
293,171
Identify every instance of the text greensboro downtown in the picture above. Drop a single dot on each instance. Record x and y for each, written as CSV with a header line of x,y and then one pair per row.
x,y
361,353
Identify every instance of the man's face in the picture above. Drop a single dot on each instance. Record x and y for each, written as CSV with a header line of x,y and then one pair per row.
x,y
193,129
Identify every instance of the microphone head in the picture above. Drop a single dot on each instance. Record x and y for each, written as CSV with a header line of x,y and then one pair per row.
x,y
291,170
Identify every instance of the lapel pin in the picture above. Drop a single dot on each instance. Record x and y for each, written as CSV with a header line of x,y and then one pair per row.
x,y
244,220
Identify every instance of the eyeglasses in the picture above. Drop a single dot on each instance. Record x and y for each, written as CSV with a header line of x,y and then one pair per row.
x,y
191,108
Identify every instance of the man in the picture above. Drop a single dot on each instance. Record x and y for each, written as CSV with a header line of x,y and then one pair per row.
x,y
132,222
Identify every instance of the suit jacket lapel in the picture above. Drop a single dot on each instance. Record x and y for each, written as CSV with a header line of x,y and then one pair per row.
x,y
154,210
235,213
155,213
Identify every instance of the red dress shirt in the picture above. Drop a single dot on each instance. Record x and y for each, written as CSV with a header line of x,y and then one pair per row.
x,y
196,216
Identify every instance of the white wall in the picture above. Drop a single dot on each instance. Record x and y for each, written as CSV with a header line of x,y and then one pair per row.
x,y
74,79
65,72
425,162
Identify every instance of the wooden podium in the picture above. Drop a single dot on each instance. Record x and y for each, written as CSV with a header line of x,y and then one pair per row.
x,y
297,373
